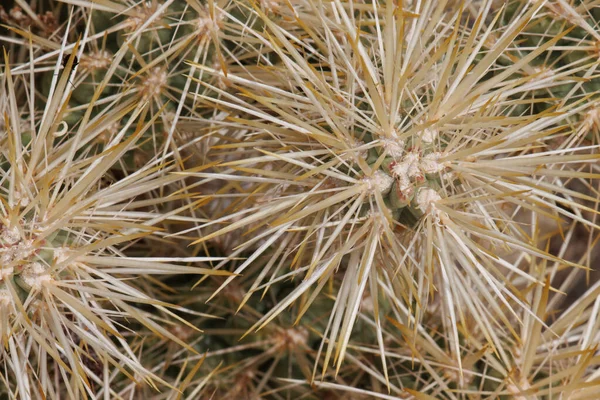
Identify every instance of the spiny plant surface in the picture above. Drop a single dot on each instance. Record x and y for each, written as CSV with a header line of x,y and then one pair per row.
x,y
70,208
395,146
374,185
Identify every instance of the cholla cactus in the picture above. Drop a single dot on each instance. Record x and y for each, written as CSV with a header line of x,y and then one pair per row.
x,y
66,217
393,150
372,185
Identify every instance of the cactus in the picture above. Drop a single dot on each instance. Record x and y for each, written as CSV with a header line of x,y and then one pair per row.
x,y
382,199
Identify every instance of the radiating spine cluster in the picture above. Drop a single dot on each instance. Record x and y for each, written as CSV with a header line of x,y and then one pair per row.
x,y
383,199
